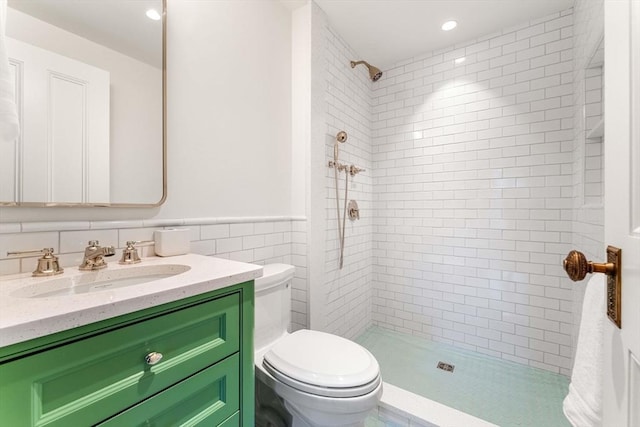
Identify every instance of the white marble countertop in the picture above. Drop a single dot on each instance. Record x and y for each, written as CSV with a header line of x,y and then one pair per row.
x,y
24,317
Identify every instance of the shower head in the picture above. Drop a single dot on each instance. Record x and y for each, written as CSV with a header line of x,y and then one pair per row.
x,y
374,72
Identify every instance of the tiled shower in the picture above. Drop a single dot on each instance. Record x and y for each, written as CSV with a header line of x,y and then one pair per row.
x,y
473,182
473,193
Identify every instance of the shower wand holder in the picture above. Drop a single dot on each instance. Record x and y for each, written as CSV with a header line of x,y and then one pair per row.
x,y
341,167
352,169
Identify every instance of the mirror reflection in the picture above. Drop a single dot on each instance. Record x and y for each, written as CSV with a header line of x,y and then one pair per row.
x,y
89,91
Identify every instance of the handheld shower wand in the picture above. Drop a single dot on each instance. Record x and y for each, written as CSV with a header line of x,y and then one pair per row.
x,y
341,137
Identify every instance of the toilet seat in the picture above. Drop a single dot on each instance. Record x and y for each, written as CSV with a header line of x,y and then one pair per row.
x,y
323,364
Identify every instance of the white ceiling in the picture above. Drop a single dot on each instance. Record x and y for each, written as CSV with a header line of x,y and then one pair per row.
x,y
118,24
385,32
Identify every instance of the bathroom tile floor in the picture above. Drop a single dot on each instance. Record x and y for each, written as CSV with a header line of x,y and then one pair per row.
x,y
502,392
374,421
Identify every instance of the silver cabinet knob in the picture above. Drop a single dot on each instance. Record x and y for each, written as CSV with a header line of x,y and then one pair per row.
x,y
153,358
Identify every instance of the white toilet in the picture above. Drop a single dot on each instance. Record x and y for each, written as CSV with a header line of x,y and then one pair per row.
x,y
323,379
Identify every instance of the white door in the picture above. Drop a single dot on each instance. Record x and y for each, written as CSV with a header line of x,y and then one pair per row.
x,y
63,152
621,384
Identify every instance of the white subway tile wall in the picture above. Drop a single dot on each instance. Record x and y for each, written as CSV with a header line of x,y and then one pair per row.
x,y
473,200
348,98
588,212
587,92
260,241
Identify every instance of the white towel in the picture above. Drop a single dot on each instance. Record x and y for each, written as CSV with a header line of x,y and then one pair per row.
x,y
9,126
583,404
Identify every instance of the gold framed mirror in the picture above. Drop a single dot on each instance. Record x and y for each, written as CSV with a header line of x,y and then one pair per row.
x,y
90,82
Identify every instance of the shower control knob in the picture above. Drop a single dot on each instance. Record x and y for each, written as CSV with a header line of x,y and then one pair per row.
x,y
353,210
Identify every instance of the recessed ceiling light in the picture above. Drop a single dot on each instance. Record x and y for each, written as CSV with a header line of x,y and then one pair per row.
x,y
449,25
153,14
459,60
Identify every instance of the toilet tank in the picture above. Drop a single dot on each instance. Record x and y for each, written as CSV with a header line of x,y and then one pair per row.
x,y
272,304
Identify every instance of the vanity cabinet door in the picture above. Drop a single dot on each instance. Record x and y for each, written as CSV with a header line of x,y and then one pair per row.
x,y
209,398
89,380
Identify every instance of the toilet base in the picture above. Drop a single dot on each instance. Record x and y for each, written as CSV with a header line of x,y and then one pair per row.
x,y
318,411
270,410
301,410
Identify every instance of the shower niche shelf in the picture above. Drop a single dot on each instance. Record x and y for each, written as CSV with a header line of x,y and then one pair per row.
x,y
597,131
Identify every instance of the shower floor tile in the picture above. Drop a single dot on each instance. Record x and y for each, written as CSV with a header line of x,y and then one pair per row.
x,y
502,392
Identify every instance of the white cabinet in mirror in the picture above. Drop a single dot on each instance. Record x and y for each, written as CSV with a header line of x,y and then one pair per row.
x,y
90,96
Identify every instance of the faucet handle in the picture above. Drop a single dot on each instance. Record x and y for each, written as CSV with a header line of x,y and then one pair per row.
x,y
48,264
93,243
130,254
46,251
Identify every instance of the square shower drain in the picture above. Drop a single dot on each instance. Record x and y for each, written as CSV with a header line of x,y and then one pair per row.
x,y
446,367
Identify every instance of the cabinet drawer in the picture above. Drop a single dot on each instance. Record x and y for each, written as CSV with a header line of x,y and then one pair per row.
x,y
206,399
87,381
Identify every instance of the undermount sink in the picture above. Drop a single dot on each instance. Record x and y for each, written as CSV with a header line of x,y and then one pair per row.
x,y
101,280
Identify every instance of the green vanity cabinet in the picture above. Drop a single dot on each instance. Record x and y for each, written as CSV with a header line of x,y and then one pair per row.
x,y
104,373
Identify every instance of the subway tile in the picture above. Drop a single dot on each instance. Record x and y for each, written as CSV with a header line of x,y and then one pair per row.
x,y
11,266
137,234
243,229
214,231
31,227
13,242
530,31
547,37
76,241
11,227
530,53
203,247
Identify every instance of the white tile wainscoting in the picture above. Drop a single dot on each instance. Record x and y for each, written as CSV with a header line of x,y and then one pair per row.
x,y
259,240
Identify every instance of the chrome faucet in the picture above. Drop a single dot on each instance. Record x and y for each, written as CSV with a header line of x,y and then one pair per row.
x,y
94,256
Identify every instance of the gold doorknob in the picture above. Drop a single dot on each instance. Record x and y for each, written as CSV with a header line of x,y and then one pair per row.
x,y
577,266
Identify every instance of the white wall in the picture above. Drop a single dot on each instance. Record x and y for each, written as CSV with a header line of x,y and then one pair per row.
x,y
229,109
473,180
229,116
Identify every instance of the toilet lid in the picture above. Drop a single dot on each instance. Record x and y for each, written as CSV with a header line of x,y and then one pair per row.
x,y
323,364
